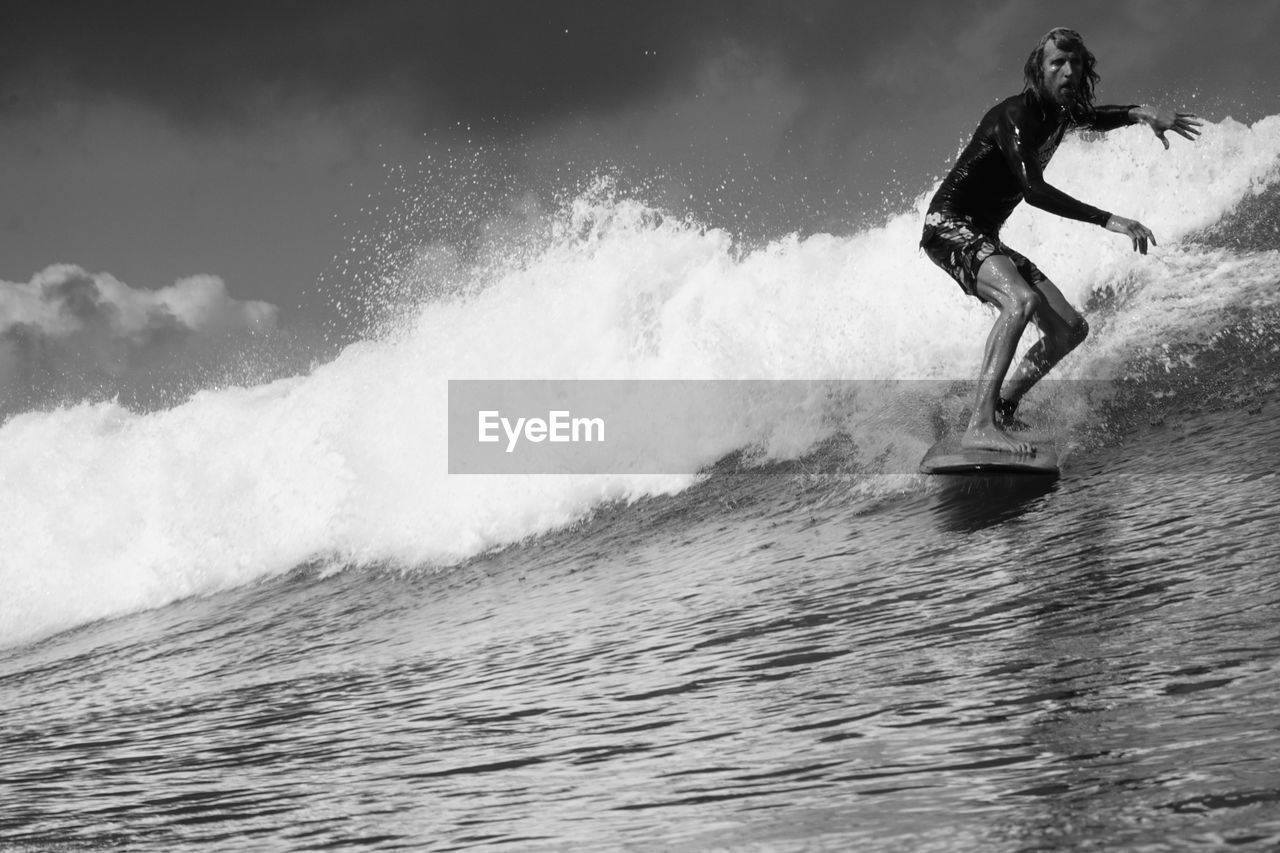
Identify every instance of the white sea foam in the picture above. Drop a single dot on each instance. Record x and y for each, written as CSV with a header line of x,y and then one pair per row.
x,y
108,511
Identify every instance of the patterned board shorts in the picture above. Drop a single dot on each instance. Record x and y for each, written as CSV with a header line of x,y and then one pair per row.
x,y
956,244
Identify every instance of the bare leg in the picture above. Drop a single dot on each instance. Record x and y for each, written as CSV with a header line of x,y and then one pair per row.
x,y
1063,327
999,284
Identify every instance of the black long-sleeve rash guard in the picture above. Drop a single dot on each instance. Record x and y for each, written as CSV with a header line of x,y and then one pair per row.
x,y
1005,160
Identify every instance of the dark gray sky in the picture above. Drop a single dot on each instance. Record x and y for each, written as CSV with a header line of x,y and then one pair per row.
x,y
155,140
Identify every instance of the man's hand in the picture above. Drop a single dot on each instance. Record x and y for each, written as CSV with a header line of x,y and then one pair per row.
x,y
1184,124
1135,230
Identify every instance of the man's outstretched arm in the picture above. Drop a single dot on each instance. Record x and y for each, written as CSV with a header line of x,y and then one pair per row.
x,y
1024,164
1110,117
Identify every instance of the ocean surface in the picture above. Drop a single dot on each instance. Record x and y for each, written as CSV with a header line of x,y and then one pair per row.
x,y
267,618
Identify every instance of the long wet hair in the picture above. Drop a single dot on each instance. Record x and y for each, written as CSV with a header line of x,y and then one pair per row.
x,y
1065,39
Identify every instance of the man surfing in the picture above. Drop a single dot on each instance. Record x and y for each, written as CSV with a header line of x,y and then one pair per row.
x,y
1002,165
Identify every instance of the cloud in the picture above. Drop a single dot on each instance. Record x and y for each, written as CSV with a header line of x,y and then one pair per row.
x,y
68,333
241,59
155,138
500,63
481,61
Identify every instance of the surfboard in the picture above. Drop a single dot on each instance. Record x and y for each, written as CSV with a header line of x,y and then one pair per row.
x,y
948,457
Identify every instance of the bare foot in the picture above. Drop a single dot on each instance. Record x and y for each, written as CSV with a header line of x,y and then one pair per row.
x,y
993,438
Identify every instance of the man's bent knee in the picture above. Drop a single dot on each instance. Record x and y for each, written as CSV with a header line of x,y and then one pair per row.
x,y
1028,303
1068,338
1077,332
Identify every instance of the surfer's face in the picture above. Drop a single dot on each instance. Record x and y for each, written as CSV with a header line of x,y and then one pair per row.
x,y
1062,73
